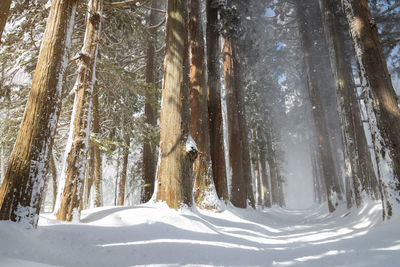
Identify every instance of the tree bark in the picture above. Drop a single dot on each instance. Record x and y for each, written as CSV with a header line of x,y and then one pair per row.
x,y
177,153
239,189
21,191
4,10
53,169
77,147
97,162
214,104
149,155
203,182
122,181
380,99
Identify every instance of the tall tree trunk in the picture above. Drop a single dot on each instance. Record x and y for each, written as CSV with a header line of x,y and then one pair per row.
x,y
239,189
345,88
214,104
149,155
4,10
21,191
178,150
325,150
97,162
239,91
203,182
380,99
77,147
122,181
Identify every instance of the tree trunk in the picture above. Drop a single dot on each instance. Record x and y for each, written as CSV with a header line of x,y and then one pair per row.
x,y
214,104
177,149
239,189
380,99
88,175
324,146
203,182
97,163
53,169
21,191
4,10
77,147
243,126
122,181
345,88
149,155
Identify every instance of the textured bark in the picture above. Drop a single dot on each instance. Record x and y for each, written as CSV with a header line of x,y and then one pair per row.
x,y
214,105
88,176
203,182
21,191
174,176
122,181
149,155
324,146
380,99
53,169
76,151
4,10
239,189
97,163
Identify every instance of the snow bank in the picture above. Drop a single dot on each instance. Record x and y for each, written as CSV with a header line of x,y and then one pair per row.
x,y
154,235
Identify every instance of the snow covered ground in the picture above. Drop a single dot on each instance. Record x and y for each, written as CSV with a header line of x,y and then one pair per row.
x,y
153,235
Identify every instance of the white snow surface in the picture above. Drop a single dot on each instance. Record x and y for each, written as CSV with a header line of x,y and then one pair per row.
x,y
154,235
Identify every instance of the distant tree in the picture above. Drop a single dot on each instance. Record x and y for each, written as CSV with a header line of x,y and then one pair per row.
x,y
311,60
122,181
21,191
380,99
178,150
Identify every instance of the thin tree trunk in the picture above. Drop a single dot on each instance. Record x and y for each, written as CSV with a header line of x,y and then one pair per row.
x,y
97,162
214,104
4,10
89,178
21,191
380,99
149,155
53,169
178,152
122,181
77,147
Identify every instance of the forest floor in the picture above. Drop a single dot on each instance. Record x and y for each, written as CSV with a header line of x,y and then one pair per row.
x,y
153,235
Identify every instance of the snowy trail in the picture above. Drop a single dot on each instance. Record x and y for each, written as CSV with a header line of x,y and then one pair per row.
x,y
153,235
